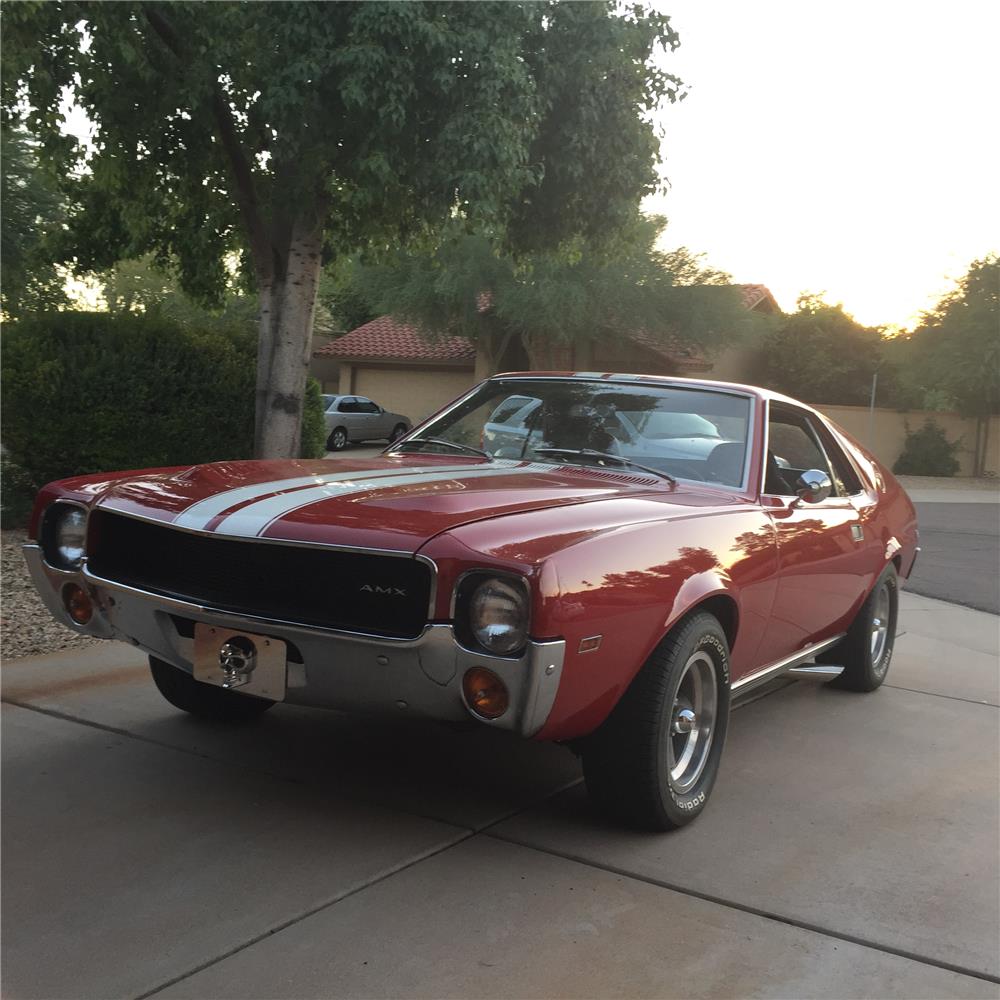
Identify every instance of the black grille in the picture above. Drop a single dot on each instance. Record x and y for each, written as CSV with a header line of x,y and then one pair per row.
x,y
357,591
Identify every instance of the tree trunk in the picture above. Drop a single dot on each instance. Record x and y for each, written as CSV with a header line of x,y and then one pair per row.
x,y
287,307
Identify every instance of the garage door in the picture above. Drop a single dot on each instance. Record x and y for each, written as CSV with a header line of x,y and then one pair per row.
x,y
414,392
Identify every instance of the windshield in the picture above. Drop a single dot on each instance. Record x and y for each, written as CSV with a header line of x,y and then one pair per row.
x,y
694,434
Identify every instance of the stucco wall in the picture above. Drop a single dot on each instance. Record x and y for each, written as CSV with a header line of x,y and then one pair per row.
x,y
886,434
416,392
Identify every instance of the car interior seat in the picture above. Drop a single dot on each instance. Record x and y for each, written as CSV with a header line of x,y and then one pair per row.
x,y
725,463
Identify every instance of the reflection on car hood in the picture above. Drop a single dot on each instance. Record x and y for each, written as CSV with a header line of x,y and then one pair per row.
x,y
392,502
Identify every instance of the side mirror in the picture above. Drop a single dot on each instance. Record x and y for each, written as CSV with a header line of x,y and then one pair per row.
x,y
813,486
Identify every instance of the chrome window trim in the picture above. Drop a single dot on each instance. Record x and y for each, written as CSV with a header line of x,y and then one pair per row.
x,y
863,478
86,535
806,413
360,549
631,381
866,484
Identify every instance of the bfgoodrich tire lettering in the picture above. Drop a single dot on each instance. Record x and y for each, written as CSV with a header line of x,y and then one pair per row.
x,y
204,700
654,761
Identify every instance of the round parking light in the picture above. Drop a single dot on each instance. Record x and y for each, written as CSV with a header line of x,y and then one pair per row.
x,y
485,693
78,603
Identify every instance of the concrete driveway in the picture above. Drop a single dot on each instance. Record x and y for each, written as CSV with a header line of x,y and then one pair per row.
x,y
850,849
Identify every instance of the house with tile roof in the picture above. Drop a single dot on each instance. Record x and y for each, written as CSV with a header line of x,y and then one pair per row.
x,y
390,361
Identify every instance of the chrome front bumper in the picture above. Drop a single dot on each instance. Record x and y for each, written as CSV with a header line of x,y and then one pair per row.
x,y
340,670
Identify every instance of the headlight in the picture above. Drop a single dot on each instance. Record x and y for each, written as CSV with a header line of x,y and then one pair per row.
x,y
497,612
64,534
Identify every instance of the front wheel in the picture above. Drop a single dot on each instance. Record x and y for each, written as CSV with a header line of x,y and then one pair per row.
x,y
397,432
866,651
337,440
654,761
204,700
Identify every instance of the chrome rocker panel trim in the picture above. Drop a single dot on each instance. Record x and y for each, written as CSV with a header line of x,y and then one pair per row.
x,y
789,663
341,670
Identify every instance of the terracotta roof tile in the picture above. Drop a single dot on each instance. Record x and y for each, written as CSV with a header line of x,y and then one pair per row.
x,y
392,339
756,295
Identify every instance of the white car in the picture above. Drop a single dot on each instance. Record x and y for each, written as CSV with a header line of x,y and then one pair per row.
x,y
357,418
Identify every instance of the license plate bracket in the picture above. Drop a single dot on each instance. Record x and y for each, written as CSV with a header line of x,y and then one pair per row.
x,y
240,661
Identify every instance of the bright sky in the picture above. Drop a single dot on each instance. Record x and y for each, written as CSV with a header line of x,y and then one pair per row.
x,y
849,147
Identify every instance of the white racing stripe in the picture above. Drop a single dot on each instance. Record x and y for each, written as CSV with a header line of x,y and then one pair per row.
x,y
255,518
199,514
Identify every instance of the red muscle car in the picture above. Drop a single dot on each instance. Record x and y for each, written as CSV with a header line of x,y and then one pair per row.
x,y
600,560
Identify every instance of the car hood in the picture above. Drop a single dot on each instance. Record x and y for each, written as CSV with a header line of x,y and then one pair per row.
x,y
391,502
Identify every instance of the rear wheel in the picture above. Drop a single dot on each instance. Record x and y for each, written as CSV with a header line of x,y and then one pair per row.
x,y
866,651
337,440
204,700
654,761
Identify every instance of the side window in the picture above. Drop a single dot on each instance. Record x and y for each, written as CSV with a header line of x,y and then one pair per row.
x,y
792,448
366,406
348,405
845,478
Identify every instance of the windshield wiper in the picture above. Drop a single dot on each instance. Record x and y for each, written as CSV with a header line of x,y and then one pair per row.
x,y
448,444
607,456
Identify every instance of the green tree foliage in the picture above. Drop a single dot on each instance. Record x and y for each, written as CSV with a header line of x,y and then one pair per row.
x,y
342,297
821,354
953,356
31,211
927,452
93,392
286,132
144,286
577,292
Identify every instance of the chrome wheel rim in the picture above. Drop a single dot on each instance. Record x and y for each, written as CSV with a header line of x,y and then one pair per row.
x,y
692,722
880,627
339,439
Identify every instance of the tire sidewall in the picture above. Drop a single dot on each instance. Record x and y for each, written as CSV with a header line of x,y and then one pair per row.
x,y
887,579
679,807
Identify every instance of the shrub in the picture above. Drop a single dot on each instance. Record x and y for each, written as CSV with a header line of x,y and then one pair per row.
x,y
16,495
94,392
927,452
313,425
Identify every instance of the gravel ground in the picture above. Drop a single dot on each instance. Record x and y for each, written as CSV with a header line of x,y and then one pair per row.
x,y
26,627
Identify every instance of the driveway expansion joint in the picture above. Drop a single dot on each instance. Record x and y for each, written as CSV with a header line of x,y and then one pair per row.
x,y
938,694
755,911
291,921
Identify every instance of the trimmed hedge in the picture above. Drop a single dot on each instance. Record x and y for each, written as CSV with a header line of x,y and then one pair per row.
x,y
95,392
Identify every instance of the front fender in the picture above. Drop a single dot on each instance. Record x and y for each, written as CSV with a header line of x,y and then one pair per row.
x,y
631,586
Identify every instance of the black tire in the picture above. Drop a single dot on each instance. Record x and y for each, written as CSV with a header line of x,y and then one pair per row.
x,y
865,661
626,762
337,440
204,700
397,432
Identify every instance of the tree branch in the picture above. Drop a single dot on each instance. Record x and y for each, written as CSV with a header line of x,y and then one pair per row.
x,y
261,249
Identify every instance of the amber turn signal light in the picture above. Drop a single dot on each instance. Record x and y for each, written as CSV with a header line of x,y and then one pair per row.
x,y
485,693
78,604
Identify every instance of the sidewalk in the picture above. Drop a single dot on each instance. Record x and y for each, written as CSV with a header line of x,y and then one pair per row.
x,y
937,489
849,849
